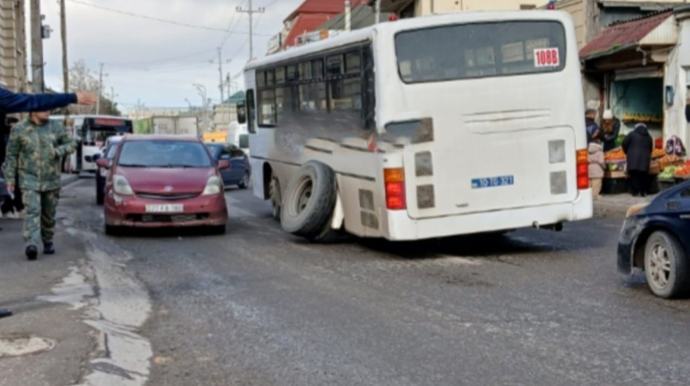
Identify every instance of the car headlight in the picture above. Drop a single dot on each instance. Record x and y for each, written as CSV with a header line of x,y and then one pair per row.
x,y
213,186
635,209
121,186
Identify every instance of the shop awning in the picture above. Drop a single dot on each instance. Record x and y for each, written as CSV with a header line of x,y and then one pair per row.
x,y
658,29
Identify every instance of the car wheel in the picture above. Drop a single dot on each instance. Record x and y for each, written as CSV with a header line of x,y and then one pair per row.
x,y
275,197
218,230
666,266
111,230
244,183
309,201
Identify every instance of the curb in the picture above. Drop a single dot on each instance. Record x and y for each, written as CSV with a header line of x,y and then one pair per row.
x,y
610,210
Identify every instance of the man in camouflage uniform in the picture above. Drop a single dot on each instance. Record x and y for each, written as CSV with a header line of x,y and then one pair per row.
x,y
35,149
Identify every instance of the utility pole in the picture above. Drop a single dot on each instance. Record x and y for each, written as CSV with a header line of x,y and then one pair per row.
x,y
100,89
220,69
63,31
348,16
36,47
378,11
251,11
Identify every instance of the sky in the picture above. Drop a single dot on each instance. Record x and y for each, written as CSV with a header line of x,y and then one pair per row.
x,y
155,62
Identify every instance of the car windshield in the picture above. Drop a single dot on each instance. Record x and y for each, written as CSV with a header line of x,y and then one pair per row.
x,y
215,149
164,154
112,148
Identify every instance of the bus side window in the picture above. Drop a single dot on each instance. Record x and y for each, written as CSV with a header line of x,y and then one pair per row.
x,y
251,111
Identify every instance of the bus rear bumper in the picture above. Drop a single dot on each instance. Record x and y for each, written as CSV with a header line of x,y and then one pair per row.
x,y
400,227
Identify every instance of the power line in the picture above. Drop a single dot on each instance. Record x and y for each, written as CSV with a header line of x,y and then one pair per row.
x,y
177,23
191,54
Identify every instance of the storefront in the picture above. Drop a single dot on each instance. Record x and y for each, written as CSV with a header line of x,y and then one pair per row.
x,y
642,70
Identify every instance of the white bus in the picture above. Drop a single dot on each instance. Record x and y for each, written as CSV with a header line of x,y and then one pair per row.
x,y
423,128
91,133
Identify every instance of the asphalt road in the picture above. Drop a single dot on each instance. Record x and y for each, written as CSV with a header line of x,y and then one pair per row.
x,y
260,307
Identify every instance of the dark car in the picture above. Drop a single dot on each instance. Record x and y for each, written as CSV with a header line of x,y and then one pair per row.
x,y
656,238
239,172
102,173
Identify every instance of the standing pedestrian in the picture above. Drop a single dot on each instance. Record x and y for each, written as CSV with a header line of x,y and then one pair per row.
x,y
35,149
638,147
591,125
597,166
611,127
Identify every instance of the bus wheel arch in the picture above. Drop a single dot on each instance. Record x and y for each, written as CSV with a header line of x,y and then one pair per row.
x,y
309,202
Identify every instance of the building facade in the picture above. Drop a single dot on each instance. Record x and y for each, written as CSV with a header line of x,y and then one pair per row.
x,y
13,68
415,8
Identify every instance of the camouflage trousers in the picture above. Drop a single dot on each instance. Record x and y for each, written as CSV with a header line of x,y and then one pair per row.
x,y
39,222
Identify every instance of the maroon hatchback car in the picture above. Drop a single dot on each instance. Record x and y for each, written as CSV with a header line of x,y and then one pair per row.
x,y
164,181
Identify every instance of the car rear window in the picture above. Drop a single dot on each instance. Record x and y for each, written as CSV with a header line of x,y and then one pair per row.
x,y
164,154
480,50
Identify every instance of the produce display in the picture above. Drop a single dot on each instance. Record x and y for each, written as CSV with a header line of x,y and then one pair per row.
x,y
658,153
683,171
615,155
668,173
670,160
643,118
619,141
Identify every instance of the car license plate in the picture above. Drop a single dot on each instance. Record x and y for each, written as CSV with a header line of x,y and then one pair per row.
x,y
165,208
492,182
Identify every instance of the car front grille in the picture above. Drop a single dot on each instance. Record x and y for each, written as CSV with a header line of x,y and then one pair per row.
x,y
170,218
154,196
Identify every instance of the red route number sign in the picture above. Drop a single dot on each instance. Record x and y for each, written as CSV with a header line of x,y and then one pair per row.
x,y
110,122
546,57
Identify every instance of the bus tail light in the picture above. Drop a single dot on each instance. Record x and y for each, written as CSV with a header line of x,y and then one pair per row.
x,y
395,188
582,170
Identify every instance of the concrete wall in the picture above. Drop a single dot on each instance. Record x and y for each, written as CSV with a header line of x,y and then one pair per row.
x,y
13,45
678,76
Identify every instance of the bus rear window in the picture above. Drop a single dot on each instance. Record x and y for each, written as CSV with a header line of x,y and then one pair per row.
x,y
480,50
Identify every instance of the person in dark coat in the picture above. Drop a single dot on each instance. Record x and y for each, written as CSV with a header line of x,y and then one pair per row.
x,y
638,147
612,129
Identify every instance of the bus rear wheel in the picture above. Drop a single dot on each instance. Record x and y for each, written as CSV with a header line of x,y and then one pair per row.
x,y
309,202
274,195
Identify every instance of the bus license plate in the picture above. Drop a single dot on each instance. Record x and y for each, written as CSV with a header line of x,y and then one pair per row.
x,y
493,182
165,208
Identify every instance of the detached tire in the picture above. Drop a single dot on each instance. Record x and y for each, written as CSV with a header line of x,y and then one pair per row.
x,y
309,201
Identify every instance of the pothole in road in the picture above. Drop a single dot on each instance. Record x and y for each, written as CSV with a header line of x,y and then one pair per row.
x,y
22,345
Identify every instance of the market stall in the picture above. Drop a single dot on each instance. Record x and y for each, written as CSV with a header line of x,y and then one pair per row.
x,y
616,177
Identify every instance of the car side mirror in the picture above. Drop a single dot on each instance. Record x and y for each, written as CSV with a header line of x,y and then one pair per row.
x,y
242,112
223,164
103,163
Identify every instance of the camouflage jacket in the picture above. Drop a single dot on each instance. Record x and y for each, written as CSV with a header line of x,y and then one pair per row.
x,y
35,152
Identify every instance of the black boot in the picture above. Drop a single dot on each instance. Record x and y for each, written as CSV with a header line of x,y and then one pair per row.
x,y
31,252
48,248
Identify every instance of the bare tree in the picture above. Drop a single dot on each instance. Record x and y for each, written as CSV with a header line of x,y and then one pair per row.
x,y
82,78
